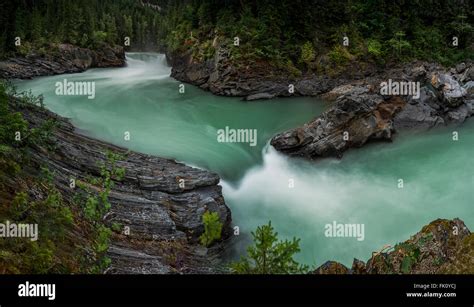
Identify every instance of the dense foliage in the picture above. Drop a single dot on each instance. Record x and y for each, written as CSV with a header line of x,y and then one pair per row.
x,y
85,23
298,36
269,255
310,34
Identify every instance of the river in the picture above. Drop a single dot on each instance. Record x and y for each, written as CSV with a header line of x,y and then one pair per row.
x,y
259,184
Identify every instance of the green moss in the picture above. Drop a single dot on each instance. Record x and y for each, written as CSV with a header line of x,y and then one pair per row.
x,y
464,259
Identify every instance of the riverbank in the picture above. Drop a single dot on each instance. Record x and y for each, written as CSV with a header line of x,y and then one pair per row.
x,y
186,160
158,204
360,112
62,59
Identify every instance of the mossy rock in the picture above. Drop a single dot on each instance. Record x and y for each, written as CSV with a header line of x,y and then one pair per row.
x,y
464,260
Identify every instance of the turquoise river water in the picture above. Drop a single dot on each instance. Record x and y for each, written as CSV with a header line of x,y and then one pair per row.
x,y
361,188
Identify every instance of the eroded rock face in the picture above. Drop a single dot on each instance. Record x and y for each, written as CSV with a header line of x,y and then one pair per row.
x,y
163,217
351,122
63,58
360,114
254,82
443,246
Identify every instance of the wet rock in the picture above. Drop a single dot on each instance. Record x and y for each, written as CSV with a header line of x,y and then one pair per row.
x,y
419,113
460,114
259,96
351,122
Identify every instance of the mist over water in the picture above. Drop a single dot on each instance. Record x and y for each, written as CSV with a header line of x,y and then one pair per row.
x,y
142,99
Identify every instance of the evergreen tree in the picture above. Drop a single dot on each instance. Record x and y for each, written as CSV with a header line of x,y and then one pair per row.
x,y
269,255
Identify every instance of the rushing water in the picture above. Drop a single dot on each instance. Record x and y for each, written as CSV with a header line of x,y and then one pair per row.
x,y
362,188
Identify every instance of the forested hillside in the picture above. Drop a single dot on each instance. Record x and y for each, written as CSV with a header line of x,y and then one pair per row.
x,y
310,35
85,23
296,35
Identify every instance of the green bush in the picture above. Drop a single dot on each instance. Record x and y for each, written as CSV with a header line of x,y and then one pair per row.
x,y
399,47
374,48
339,55
212,228
307,54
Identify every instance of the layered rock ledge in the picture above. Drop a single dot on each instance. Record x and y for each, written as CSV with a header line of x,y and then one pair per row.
x,y
163,216
62,59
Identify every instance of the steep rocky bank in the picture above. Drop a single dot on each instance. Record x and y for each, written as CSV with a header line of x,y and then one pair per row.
x,y
161,218
442,247
61,59
219,76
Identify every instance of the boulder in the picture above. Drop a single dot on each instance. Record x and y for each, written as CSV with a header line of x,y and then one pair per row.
x,y
449,89
331,267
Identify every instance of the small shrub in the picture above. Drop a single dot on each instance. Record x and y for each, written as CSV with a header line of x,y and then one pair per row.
x,y
307,54
374,48
339,55
212,228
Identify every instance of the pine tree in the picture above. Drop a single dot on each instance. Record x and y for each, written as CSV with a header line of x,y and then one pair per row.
x,y
268,255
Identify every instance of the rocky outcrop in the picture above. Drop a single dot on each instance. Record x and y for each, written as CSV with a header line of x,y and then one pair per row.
x,y
158,205
442,247
356,120
60,59
252,82
361,113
